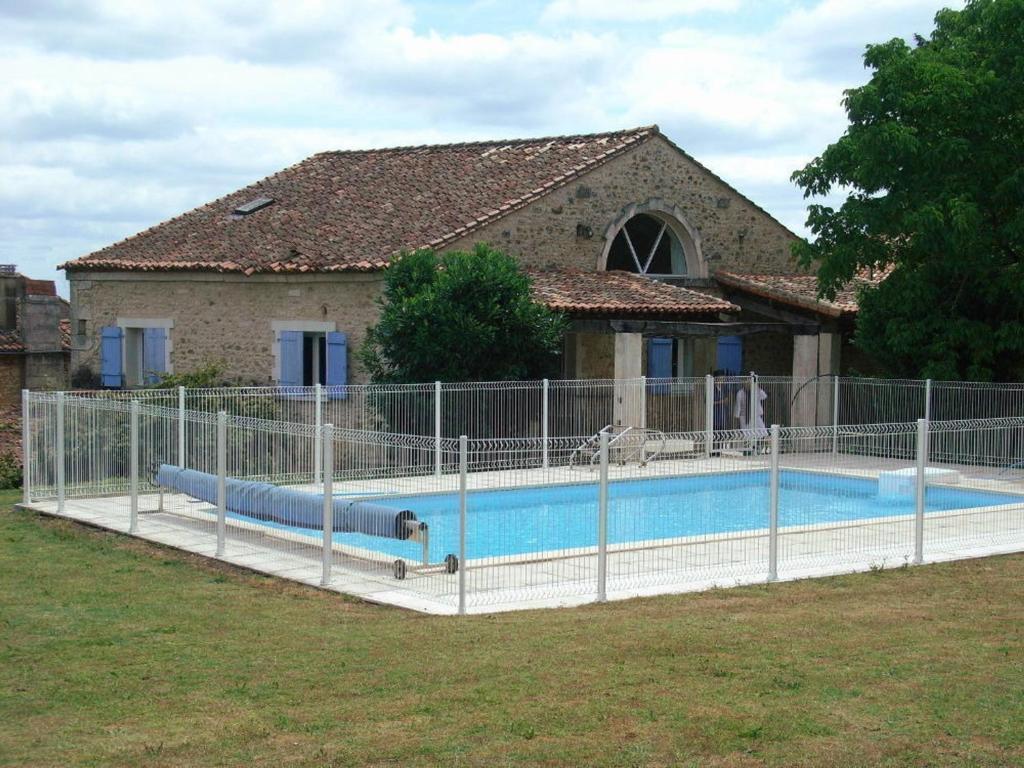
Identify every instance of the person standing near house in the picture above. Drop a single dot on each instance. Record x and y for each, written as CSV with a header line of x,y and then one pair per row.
x,y
749,408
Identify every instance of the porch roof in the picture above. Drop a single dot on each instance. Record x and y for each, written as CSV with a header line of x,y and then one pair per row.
x,y
621,295
801,290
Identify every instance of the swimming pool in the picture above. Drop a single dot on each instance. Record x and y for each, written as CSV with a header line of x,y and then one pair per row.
x,y
528,520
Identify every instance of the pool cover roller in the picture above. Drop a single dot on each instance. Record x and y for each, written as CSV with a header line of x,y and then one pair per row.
x,y
289,506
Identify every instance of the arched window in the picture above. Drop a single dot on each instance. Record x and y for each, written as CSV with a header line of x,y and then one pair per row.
x,y
648,245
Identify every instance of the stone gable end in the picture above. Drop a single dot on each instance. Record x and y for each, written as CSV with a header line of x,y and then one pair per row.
x,y
552,232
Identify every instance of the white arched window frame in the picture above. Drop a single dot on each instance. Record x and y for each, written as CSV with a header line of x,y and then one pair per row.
x,y
687,258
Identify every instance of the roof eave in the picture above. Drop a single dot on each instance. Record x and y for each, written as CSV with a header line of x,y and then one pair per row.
x,y
828,309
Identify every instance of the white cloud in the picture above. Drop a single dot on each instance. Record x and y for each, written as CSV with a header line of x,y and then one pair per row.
x,y
744,171
273,30
116,114
634,12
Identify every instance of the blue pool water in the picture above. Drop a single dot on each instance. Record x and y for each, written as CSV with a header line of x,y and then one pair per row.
x,y
525,520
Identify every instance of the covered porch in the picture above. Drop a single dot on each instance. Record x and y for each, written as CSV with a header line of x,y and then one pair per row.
x,y
624,326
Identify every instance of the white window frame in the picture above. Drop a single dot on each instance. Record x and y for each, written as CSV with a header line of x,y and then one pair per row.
x,y
140,323
304,326
643,261
687,235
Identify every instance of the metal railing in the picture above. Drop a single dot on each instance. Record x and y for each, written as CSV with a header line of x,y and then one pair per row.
x,y
505,521
558,408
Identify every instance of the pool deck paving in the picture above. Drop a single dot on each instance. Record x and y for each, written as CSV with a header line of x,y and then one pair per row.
x,y
569,577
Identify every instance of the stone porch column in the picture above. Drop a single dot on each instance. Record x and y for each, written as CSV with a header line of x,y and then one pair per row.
x,y
630,402
829,345
805,368
814,356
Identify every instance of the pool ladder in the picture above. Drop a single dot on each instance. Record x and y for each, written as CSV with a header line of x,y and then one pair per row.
x,y
625,444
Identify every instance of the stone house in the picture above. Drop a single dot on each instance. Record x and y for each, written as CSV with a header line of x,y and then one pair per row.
x,y
34,336
662,268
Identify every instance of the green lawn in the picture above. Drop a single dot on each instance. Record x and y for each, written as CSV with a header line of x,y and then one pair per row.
x,y
117,652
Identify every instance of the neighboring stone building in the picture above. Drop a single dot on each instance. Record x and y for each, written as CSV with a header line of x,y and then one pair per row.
x,y
34,337
623,231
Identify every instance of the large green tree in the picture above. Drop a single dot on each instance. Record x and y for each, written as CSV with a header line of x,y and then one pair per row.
x,y
460,316
933,164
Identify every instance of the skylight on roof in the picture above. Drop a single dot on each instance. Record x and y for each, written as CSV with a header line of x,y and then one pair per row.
x,y
253,205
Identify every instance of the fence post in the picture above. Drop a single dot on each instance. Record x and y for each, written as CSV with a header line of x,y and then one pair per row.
x,y
835,415
133,466
751,402
709,415
602,523
927,399
544,423
643,403
773,508
463,469
318,420
181,427
60,453
328,477
437,429
222,479
26,447
919,490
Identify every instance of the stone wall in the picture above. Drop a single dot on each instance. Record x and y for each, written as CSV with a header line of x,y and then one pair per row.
x,y
768,354
595,356
544,234
12,380
46,370
223,317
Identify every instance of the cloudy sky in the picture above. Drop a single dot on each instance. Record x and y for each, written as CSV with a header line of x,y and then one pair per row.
x,y
117,114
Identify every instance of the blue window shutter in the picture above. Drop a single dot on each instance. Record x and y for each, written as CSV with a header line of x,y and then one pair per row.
x,y
111,367
337,365
154,354
729,357
291,359
659,363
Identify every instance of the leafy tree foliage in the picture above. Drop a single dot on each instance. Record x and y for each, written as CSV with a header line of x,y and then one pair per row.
x,y
205,376
933,161
223,394
460,316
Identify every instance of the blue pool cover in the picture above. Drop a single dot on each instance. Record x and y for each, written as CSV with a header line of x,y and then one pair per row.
x,y
289,506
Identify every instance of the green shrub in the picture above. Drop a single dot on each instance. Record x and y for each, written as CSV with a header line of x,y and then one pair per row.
x,y
461,316
226,397
10,471
204,377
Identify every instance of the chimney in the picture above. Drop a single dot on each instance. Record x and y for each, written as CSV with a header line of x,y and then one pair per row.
x,y
41,313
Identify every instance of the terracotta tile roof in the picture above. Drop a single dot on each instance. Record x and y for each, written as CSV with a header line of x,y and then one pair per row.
x,y
620,294
40,287
801,290
352,210
10,342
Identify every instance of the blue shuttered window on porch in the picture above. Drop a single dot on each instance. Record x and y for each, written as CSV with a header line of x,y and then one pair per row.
x,y
154,354
659,363
729,355
337,365
291,359
111,364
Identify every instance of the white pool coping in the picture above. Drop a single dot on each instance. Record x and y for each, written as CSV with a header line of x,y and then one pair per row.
x,y
636,569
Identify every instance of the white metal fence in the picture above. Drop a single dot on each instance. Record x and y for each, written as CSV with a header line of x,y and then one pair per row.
x,y
546,515
564,408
